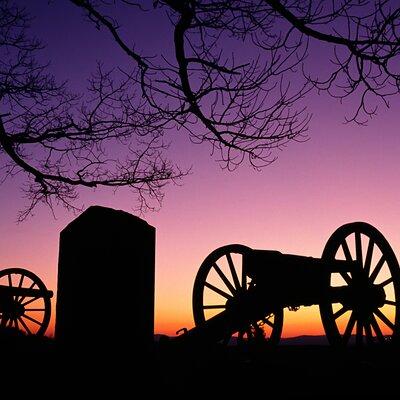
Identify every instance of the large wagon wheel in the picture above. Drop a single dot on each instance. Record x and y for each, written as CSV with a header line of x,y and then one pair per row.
x,y
221,279
24,302
371,315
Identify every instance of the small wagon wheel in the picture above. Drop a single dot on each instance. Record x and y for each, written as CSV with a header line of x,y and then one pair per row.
x,y
371,315
220,279
24,301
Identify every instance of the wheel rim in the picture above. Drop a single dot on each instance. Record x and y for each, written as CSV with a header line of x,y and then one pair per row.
x,y
27,313
363,322
220,279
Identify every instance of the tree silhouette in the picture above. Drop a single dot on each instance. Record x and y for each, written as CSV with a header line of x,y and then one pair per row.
x,y
236,78
62,140
245,107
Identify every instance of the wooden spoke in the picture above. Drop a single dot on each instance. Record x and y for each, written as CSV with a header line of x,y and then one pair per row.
x,y
368,257
359,333
216,306
21,299
21,280
349,328
217,290
24,325
346,277
377,268
244,279
386,282
233,271
368,333
10,283
340,312
224,278
24,297
377,329
30,301
384,319
32,319
35,309
359,255
346,251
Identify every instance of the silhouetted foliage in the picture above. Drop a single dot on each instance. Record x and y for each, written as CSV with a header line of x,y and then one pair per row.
x,y
235,77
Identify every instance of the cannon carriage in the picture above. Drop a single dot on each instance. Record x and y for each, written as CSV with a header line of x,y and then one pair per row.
x,y
242,292
25,303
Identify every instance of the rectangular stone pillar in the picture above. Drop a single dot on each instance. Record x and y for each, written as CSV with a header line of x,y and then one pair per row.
x,y
105,293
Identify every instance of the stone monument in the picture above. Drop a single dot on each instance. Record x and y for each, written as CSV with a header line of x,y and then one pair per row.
x,y
105,296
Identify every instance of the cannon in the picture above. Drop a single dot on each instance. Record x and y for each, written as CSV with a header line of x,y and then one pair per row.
x,y
241,292
25,303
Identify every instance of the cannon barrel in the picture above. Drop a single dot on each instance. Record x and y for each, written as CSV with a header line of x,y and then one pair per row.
x,y
290,279
22,291
256,263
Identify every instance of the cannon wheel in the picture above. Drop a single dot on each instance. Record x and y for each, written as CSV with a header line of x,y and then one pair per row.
x,y
32,313
378,268
221,277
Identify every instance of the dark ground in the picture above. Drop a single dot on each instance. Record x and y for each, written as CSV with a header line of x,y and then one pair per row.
x,y
32,365
285,372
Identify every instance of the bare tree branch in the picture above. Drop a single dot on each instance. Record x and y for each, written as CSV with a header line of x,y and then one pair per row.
x,y
242,109
62,141
236,77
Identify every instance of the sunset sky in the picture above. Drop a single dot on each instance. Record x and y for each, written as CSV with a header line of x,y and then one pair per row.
x,y
343,173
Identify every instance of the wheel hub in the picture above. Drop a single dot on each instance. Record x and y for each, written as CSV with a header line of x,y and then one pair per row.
x,y
365,298
12,308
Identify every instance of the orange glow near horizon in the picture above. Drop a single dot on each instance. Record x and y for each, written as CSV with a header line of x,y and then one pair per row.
x,y
305,321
